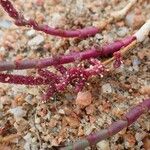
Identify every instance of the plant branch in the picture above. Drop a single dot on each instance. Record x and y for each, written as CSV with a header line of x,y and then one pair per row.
x,y
118,15
123,51
128,119
94,52
21,21
20,79
80,33
75,76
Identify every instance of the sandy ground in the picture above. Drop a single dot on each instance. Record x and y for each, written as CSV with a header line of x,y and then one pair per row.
x,y
61,120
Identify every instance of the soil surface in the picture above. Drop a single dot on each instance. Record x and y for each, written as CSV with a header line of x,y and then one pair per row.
x,y
69,115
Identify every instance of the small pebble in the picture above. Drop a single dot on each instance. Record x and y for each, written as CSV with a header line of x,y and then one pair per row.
x,y
18,112
27,139
134,21
27,146
29,99
37,40
61,111
103,145
122,31
129,20
56,18
99,36
30,33
37,120
1,35
135,63
106,88
84,99
73,122
89,128
5,24
2,50
27,136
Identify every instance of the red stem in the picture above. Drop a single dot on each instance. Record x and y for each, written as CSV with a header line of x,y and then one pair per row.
x,y
114,128
21,21
20,79
94,52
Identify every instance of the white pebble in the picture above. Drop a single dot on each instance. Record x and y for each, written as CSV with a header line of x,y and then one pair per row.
x,y
106,88
55,20
140,143
29,99
18,112
27,136
28,139
122,31
37,40
79,7
139,136
37,120
61,111
30,33
99,36
20,72
1,35
27,146
17,89
135,63
103,145
130,68
40,129
130,19
5,24
2,50
88,128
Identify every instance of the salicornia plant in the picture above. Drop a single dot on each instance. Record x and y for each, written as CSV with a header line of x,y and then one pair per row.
x,y
76,76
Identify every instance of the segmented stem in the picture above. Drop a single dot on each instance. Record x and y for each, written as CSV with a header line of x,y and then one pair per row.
x,y
94,52
128,119
21,21
20,79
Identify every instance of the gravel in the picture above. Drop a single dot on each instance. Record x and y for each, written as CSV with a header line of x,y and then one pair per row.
x,y
70,116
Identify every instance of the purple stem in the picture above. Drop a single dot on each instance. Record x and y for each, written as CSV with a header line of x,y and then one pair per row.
x,y
21,21
20,79
93,52
76,76
113,129
49,75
